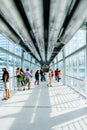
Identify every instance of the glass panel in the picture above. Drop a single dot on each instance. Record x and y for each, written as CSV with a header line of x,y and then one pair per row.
x,y
33,60
10,65
74,67
78,40
17,62
18,50
81,63
26,65
60,55
4,42
27,56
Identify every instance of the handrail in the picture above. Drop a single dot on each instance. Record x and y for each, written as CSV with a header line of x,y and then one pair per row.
x,y
78,88
12,76
11,79
74,78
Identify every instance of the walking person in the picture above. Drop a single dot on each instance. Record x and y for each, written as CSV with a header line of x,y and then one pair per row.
x,y
56,74
27,78
59,74
18,77
41,74
37,77
50,78
5,78
22,77
31,73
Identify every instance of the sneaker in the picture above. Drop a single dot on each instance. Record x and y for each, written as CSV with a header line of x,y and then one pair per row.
x,y
4,98
23,89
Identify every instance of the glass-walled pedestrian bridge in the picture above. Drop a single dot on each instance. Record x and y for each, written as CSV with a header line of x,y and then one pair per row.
x,y
44,34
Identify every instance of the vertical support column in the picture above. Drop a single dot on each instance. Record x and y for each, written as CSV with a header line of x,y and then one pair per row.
x,y
86,64
14,82
63,66
7,64
7,56
22,59
53,65
77,60
30,63
57,61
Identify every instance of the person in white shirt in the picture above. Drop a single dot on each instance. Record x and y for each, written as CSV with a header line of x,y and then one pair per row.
x,y
27,78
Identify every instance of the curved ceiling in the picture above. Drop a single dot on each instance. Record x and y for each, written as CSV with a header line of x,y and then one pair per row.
x,y
42,27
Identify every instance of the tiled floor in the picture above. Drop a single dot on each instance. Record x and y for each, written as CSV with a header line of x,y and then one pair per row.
x,y
44,108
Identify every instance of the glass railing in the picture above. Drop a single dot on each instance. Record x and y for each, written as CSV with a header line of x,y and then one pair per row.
x,y
75,83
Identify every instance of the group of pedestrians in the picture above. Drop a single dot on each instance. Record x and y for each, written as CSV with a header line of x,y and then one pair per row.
x,y
39,74
24,78
57,76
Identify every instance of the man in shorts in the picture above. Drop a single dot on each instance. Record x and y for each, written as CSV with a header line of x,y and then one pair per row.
x,y
5,78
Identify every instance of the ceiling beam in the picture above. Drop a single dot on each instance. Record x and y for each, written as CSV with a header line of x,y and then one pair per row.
x,y
57,49
46,14
21,43
68,17
8,25
27,23
28,50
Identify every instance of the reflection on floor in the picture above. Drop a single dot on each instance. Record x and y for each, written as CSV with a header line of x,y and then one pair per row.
x,y
44,108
